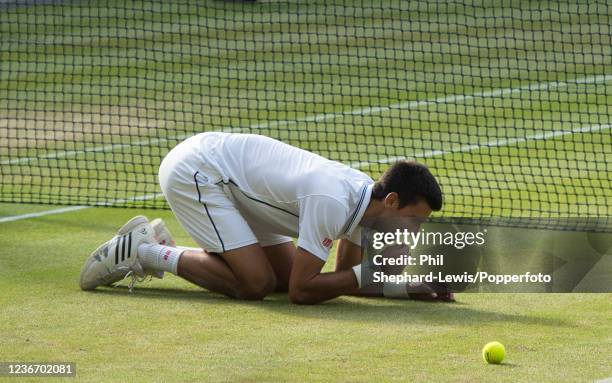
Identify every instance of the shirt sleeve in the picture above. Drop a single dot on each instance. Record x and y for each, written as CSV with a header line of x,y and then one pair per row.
x,y
321,221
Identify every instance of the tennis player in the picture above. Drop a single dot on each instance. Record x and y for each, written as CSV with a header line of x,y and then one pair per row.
x,y
242,198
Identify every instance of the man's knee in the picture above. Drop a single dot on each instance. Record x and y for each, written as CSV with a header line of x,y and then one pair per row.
x,y
257,288
281,286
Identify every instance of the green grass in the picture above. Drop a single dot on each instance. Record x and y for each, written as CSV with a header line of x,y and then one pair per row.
x,y
169,330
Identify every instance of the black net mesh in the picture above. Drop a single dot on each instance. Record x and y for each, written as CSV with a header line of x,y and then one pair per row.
x,y
508,102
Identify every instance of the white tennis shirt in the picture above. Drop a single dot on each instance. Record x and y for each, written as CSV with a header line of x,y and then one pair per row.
x,y
286,190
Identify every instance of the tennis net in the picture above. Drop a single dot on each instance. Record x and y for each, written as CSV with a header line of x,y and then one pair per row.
x,y
508,102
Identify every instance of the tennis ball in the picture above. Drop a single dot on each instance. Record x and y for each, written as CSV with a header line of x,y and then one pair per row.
x,y
493,352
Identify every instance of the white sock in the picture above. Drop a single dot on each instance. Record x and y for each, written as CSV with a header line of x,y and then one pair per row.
x,y
159,257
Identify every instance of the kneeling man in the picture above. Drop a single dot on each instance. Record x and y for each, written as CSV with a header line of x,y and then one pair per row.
x,y
242,198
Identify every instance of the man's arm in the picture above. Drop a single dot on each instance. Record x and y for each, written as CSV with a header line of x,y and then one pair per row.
x,y
307,285
348,255
320,221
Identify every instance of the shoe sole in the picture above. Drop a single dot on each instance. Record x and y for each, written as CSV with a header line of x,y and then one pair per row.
x,y
90,261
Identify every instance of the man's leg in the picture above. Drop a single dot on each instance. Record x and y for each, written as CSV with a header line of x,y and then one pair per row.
x,y
213,272
281,258
240,273
243,273
208,270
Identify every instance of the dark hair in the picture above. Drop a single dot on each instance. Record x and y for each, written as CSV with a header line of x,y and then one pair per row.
x,y
412,182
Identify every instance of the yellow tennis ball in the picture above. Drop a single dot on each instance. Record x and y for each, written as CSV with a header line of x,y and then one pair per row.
x,y
493,352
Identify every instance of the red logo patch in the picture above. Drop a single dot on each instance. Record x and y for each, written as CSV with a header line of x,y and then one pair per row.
x,y
327,242
166,255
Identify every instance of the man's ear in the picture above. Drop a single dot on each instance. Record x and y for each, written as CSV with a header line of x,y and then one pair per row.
x,y
392,200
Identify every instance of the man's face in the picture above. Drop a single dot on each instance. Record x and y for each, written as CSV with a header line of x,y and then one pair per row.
x,y
409,216
391,202
416,214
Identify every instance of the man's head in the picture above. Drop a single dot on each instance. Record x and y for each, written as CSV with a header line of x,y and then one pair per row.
x,y
407,189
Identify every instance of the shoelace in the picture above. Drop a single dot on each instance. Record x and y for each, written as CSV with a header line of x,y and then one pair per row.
x,y
134,278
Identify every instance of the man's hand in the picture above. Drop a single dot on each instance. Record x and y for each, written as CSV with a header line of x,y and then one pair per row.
x,y
430,292
417,291
443,293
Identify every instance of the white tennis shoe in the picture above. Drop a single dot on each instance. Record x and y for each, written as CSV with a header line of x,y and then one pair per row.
x,y
118,258
162,234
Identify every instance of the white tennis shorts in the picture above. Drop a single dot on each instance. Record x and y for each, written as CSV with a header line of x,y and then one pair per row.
x,y
199,200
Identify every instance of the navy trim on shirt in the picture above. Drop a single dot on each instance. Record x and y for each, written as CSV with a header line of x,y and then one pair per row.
x,y
363,194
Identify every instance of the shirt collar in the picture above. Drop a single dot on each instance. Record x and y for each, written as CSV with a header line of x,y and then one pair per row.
x,y
362,204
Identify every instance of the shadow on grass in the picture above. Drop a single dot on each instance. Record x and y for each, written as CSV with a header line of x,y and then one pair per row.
x,y
348,309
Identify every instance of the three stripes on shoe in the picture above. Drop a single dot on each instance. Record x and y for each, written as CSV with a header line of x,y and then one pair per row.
x,y
121,243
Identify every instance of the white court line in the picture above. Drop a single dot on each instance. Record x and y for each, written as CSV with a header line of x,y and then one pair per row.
x,y
362,111
489,144
331,116
75,208
386,160
41,213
